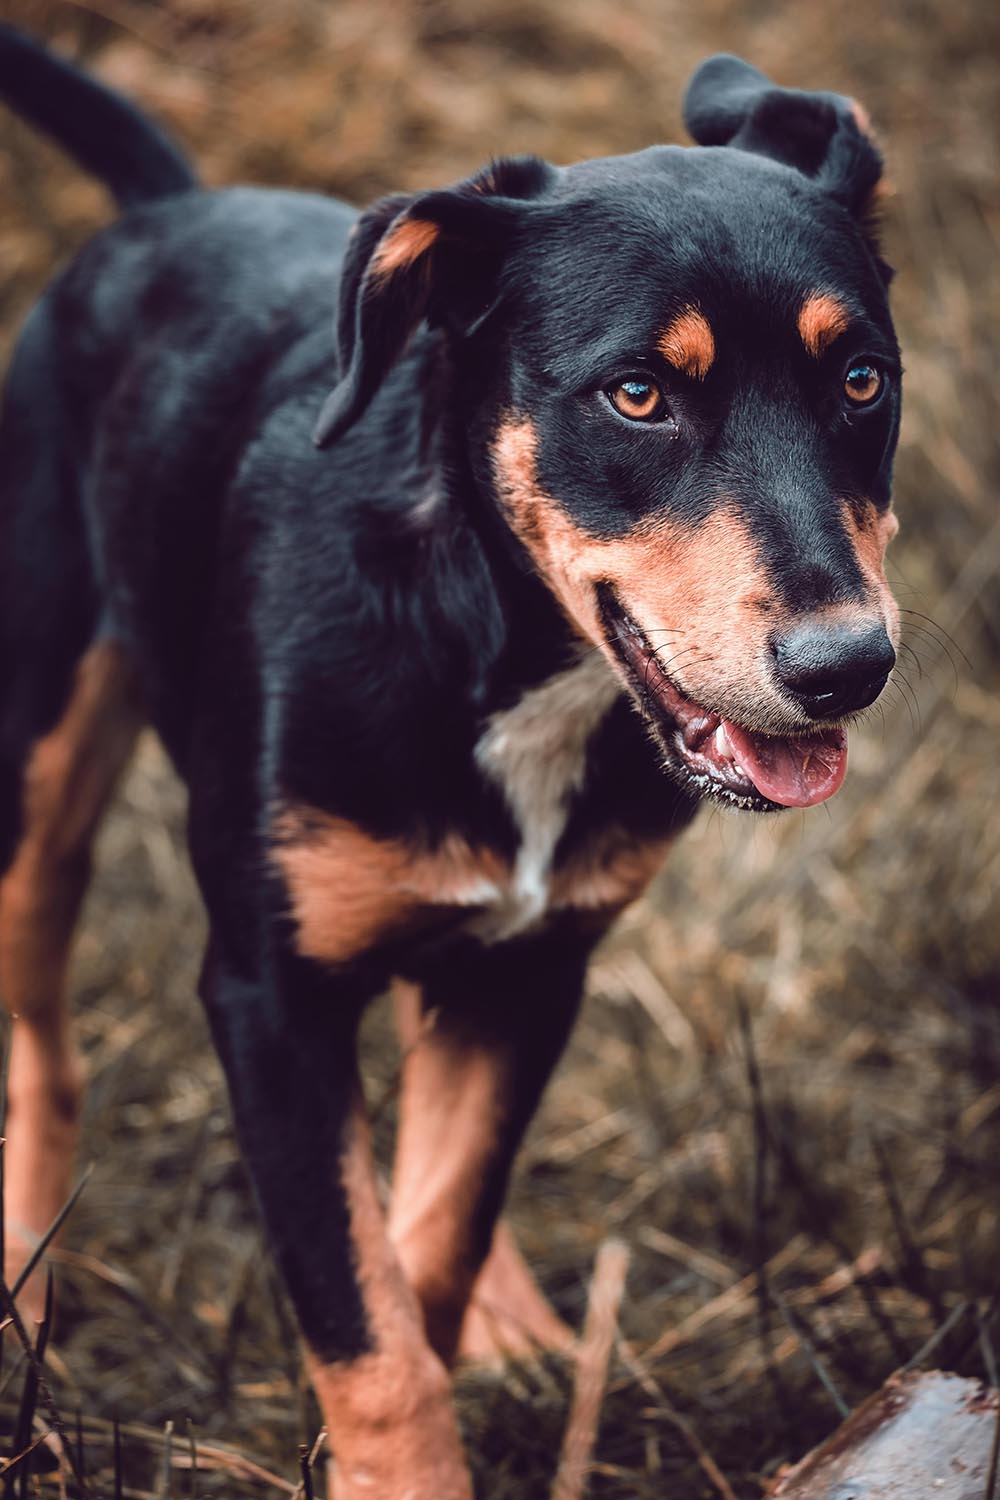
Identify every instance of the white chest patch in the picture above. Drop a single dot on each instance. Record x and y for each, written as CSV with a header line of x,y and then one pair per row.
x,y
536,752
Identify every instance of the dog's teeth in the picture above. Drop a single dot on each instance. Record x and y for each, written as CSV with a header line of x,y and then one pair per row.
x,y
723,749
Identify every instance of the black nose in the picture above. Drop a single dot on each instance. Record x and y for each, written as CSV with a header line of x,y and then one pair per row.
x,y
832,670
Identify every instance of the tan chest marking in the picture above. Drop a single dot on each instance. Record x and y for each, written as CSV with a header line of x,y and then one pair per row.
x,y
347,890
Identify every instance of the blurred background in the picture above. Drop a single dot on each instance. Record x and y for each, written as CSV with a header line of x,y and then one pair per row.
x,y
785,1091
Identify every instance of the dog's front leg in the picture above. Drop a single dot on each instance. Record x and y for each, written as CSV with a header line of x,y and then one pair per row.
x,y
287,1041
496,1021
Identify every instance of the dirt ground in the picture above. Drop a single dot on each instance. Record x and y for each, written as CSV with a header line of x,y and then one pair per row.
x,y
784,1095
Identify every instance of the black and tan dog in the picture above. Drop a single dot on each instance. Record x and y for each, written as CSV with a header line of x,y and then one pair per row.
x,y
590,529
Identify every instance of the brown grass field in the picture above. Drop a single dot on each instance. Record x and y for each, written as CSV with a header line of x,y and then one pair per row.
x,y
784,1095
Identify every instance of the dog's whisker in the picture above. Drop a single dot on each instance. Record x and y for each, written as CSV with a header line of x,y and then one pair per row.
x,y
933,627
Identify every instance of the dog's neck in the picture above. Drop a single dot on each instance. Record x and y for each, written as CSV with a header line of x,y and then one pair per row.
x,y
521,635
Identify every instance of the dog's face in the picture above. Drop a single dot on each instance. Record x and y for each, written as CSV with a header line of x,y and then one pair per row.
x,y
684,393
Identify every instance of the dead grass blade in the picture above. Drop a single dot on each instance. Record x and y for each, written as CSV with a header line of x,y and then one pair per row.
x,y
117,1460
35,1369
210,1456
677,1420
8,1465
724,1304
193,1456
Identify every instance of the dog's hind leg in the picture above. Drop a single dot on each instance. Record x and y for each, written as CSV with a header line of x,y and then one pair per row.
x,y
68,717
508,1316
68,776
495,1025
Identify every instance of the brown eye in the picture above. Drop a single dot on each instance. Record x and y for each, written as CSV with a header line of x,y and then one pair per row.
x,y
639,400
862,383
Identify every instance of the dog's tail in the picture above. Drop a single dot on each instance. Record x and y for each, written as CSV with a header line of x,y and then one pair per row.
x,y
101,130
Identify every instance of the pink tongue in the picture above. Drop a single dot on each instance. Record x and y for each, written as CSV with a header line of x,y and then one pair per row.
x,y
792,772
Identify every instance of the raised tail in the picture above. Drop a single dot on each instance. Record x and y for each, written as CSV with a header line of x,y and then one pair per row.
x,y
102,131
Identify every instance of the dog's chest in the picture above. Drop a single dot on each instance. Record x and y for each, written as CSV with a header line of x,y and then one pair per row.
x,y
535,754
349,891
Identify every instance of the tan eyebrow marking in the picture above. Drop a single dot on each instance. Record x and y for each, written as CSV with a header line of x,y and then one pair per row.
x,y
402,246
822,318
687,343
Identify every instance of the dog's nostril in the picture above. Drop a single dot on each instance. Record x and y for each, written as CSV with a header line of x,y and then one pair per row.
x,y
833,669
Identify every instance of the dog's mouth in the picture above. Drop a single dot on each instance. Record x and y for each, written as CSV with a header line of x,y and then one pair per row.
x,y
711,753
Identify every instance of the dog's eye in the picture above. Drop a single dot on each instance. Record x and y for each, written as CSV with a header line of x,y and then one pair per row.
x,y
862,383
639,400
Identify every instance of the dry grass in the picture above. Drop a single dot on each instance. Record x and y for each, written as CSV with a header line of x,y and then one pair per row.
x,y
784,1095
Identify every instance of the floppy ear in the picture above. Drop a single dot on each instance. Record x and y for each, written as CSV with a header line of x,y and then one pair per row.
x,y
825,136
433,256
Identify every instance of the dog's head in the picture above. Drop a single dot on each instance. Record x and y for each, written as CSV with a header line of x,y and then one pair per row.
x,y
680,381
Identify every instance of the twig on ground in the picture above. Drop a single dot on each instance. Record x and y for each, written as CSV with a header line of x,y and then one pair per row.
x,y
313,1454
305,1469
592,1356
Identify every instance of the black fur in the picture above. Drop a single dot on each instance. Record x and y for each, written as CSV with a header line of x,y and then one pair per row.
x,y
335,627
102,132
730,103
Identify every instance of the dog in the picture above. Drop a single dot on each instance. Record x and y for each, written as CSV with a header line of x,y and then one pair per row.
x,y
450,618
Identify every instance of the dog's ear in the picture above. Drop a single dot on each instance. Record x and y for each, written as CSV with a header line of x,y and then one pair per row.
x,y
433,256
825,136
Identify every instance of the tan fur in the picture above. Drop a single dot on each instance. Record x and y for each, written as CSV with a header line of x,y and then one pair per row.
x,y
612,871
348,889
388,1413
870,536
402,246
822,319
452,1099
696,592
883,189
700,594
688,343
68,781
506,1316
862,119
